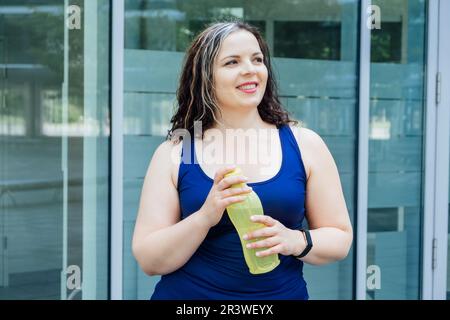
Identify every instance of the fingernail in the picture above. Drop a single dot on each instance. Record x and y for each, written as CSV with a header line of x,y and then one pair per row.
x,y
245,237
253,218
249,245
258,254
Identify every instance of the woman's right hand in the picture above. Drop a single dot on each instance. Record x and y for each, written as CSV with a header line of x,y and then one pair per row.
x,y
222,195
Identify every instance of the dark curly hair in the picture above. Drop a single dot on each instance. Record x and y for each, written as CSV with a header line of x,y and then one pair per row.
x,y
196,95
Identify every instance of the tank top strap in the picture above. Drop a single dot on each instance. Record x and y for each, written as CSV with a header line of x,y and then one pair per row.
x,y
292,151
187,150
187,159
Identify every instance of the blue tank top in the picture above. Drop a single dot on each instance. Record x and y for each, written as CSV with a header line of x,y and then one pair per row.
x,y
217,270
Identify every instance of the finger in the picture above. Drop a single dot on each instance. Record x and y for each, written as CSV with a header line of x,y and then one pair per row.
x,y
234,191
220,173
267,220
230,200
263,232
265,243
229,181
274,250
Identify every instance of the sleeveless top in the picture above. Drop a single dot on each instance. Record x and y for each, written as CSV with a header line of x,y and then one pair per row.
x,y
217,270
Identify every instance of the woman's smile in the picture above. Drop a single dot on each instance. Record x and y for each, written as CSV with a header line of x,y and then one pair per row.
x,y
248,87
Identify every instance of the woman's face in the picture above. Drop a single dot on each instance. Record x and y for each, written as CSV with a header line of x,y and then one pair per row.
x,y
240,75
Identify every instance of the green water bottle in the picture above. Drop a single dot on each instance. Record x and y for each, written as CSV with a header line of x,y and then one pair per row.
x,y
240,214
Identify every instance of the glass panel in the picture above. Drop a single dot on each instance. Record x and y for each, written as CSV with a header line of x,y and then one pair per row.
x,y
315,48
54,149
395,151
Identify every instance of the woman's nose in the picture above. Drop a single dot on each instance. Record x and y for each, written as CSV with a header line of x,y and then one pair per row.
x,y
248,67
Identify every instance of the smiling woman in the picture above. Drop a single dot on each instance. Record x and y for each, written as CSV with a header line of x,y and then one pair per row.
x,y
240,78
220,66
181,231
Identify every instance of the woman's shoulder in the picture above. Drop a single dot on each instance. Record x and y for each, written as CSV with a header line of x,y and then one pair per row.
x,y
307,135
170,144
310,144
169,152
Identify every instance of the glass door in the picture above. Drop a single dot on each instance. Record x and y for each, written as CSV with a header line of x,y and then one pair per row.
x,y
54,149
396,148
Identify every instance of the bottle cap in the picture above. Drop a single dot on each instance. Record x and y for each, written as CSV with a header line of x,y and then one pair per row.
x,y
236,172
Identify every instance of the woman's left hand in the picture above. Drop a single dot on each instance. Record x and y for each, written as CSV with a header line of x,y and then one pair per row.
x,y
277,238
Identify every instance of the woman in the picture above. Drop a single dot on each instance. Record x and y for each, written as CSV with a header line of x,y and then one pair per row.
x,y
181,230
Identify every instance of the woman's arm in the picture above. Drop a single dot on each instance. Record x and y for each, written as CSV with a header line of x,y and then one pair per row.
x,y
161,242
326,211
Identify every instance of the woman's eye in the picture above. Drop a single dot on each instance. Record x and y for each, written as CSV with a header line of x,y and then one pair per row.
x,y
231,62
259,59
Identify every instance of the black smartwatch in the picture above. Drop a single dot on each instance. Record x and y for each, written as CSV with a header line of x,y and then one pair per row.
x,y
309,244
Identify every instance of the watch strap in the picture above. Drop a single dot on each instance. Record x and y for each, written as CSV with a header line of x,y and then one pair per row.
x,y
309,244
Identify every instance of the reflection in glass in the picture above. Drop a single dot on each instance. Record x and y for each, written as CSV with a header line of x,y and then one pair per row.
x,y
395,149
53,156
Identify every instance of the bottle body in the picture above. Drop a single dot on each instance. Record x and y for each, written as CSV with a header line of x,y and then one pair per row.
x,y
240,214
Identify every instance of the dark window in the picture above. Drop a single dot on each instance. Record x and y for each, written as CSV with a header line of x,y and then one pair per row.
x,y
319,40
386,44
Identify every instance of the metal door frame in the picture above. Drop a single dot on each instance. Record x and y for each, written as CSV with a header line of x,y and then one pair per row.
x,y
437,145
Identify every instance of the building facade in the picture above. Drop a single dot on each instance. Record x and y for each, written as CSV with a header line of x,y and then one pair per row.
x,y
88,89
